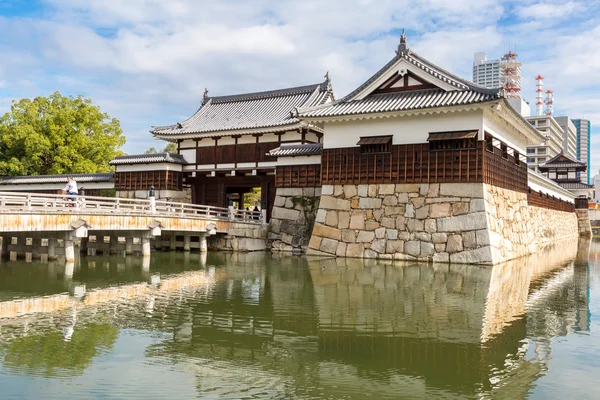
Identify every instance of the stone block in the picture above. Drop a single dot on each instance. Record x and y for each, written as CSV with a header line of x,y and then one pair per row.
x,y
434,190
407,188
460,208
430,225
415,225
318,191
329,246
386,189
289,203
327,232
482,255
454,244
326,190
308,192
369,202
365,237
273,236
357,220
417,201
395,210
328,202
477,205
284,213
469,240
332,219
441,257
390,200
423,236
372,190
394,246
402,198
378,245
423,189
439,237
354,203
341,249
412,248
377,214
440,247
275,225
370,254
338,190
321,216
371,225
350,191
279,201
343,220
287,238
403,257
422,212
427,249
462,223
355,250
471,190
488,238
400,223
392,234
348,236
363,190
388,222
439,210
315,242
289,192
410,211
403,235
380,233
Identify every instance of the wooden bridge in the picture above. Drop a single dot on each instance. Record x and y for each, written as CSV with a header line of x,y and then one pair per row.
x,y
31,221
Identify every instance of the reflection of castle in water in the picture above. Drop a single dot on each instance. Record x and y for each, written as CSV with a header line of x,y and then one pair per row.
x,y
349,328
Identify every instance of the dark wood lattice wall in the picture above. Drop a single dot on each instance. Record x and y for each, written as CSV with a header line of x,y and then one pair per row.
x,y
142,180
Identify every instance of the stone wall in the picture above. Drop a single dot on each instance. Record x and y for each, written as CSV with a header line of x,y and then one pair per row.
x,y
583,220
240,237
293,217
471,223
517,229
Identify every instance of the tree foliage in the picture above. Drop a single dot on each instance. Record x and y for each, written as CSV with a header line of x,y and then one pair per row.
x,y
57,135
169,148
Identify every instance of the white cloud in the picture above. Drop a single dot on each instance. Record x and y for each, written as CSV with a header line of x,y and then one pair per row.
x,y
548,10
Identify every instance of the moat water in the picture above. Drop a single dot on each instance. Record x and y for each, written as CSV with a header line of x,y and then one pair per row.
x,y
256,326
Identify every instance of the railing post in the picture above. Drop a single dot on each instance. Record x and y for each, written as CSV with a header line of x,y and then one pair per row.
x,y
263,216
29,202
152,205
231,213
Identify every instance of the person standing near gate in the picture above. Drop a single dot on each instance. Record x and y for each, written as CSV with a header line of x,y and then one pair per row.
x,y
71,188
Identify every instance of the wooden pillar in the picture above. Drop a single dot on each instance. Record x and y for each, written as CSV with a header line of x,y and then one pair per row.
x,y
186,242
129,245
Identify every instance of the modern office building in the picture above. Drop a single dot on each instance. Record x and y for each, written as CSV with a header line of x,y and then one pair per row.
x,y
552,144
569,137
584,129
486,72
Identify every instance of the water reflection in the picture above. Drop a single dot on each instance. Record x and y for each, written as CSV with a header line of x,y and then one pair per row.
x,y
259,326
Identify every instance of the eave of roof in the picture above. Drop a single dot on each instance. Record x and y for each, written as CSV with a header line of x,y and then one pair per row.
x,y
293,150
33,179
148,159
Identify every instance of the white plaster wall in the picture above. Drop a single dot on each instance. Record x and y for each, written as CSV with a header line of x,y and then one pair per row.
x,y
149,167
501,130
189,155
299,160
406,129
188,143
55,186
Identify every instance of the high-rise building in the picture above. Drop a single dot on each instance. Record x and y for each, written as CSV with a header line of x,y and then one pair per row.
x,y
569,137
486,72
551,146
584,129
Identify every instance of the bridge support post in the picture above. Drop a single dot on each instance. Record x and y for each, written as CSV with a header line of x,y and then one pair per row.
x,y
51,249
5,241
128,245
186,242
172,243
203,244
69,249
145,246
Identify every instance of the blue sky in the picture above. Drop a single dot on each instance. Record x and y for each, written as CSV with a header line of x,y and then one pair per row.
x,y
147,62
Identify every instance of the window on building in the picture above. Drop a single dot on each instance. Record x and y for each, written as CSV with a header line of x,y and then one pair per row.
x,y
489,143
375,144
552,175
452,140
504,149
530,160
530,151
541,151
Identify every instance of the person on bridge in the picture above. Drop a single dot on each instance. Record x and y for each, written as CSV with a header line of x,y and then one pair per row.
x,y
71,188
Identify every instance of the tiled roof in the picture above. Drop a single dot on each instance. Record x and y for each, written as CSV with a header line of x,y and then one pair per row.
x,y
463,92
248,111
79,178
576,185
562,161
149,159
291,150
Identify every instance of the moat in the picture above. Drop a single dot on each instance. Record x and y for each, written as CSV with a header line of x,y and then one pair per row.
x,y
259,326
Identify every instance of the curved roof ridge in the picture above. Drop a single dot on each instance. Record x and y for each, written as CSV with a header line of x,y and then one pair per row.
x,y
266,93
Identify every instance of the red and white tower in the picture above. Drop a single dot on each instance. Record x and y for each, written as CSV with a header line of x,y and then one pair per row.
x,y
539,105
510,70
549,102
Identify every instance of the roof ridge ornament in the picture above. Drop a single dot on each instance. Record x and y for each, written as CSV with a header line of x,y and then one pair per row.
x,y
402,47
205,97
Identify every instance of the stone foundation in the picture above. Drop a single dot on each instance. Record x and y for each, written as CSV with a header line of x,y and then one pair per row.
x,y
293,217
469,223
240,237
176,196
584,223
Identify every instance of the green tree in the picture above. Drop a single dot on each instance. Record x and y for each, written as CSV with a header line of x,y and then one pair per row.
x,y
57,135
169,148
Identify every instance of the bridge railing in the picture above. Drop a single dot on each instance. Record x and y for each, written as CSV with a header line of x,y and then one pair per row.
x,y
59,204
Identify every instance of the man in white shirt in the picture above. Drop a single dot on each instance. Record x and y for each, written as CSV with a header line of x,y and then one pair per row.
x,y
71,188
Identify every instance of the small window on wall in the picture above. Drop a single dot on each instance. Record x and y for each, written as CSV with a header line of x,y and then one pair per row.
x,y
456,140
489,143
375,144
